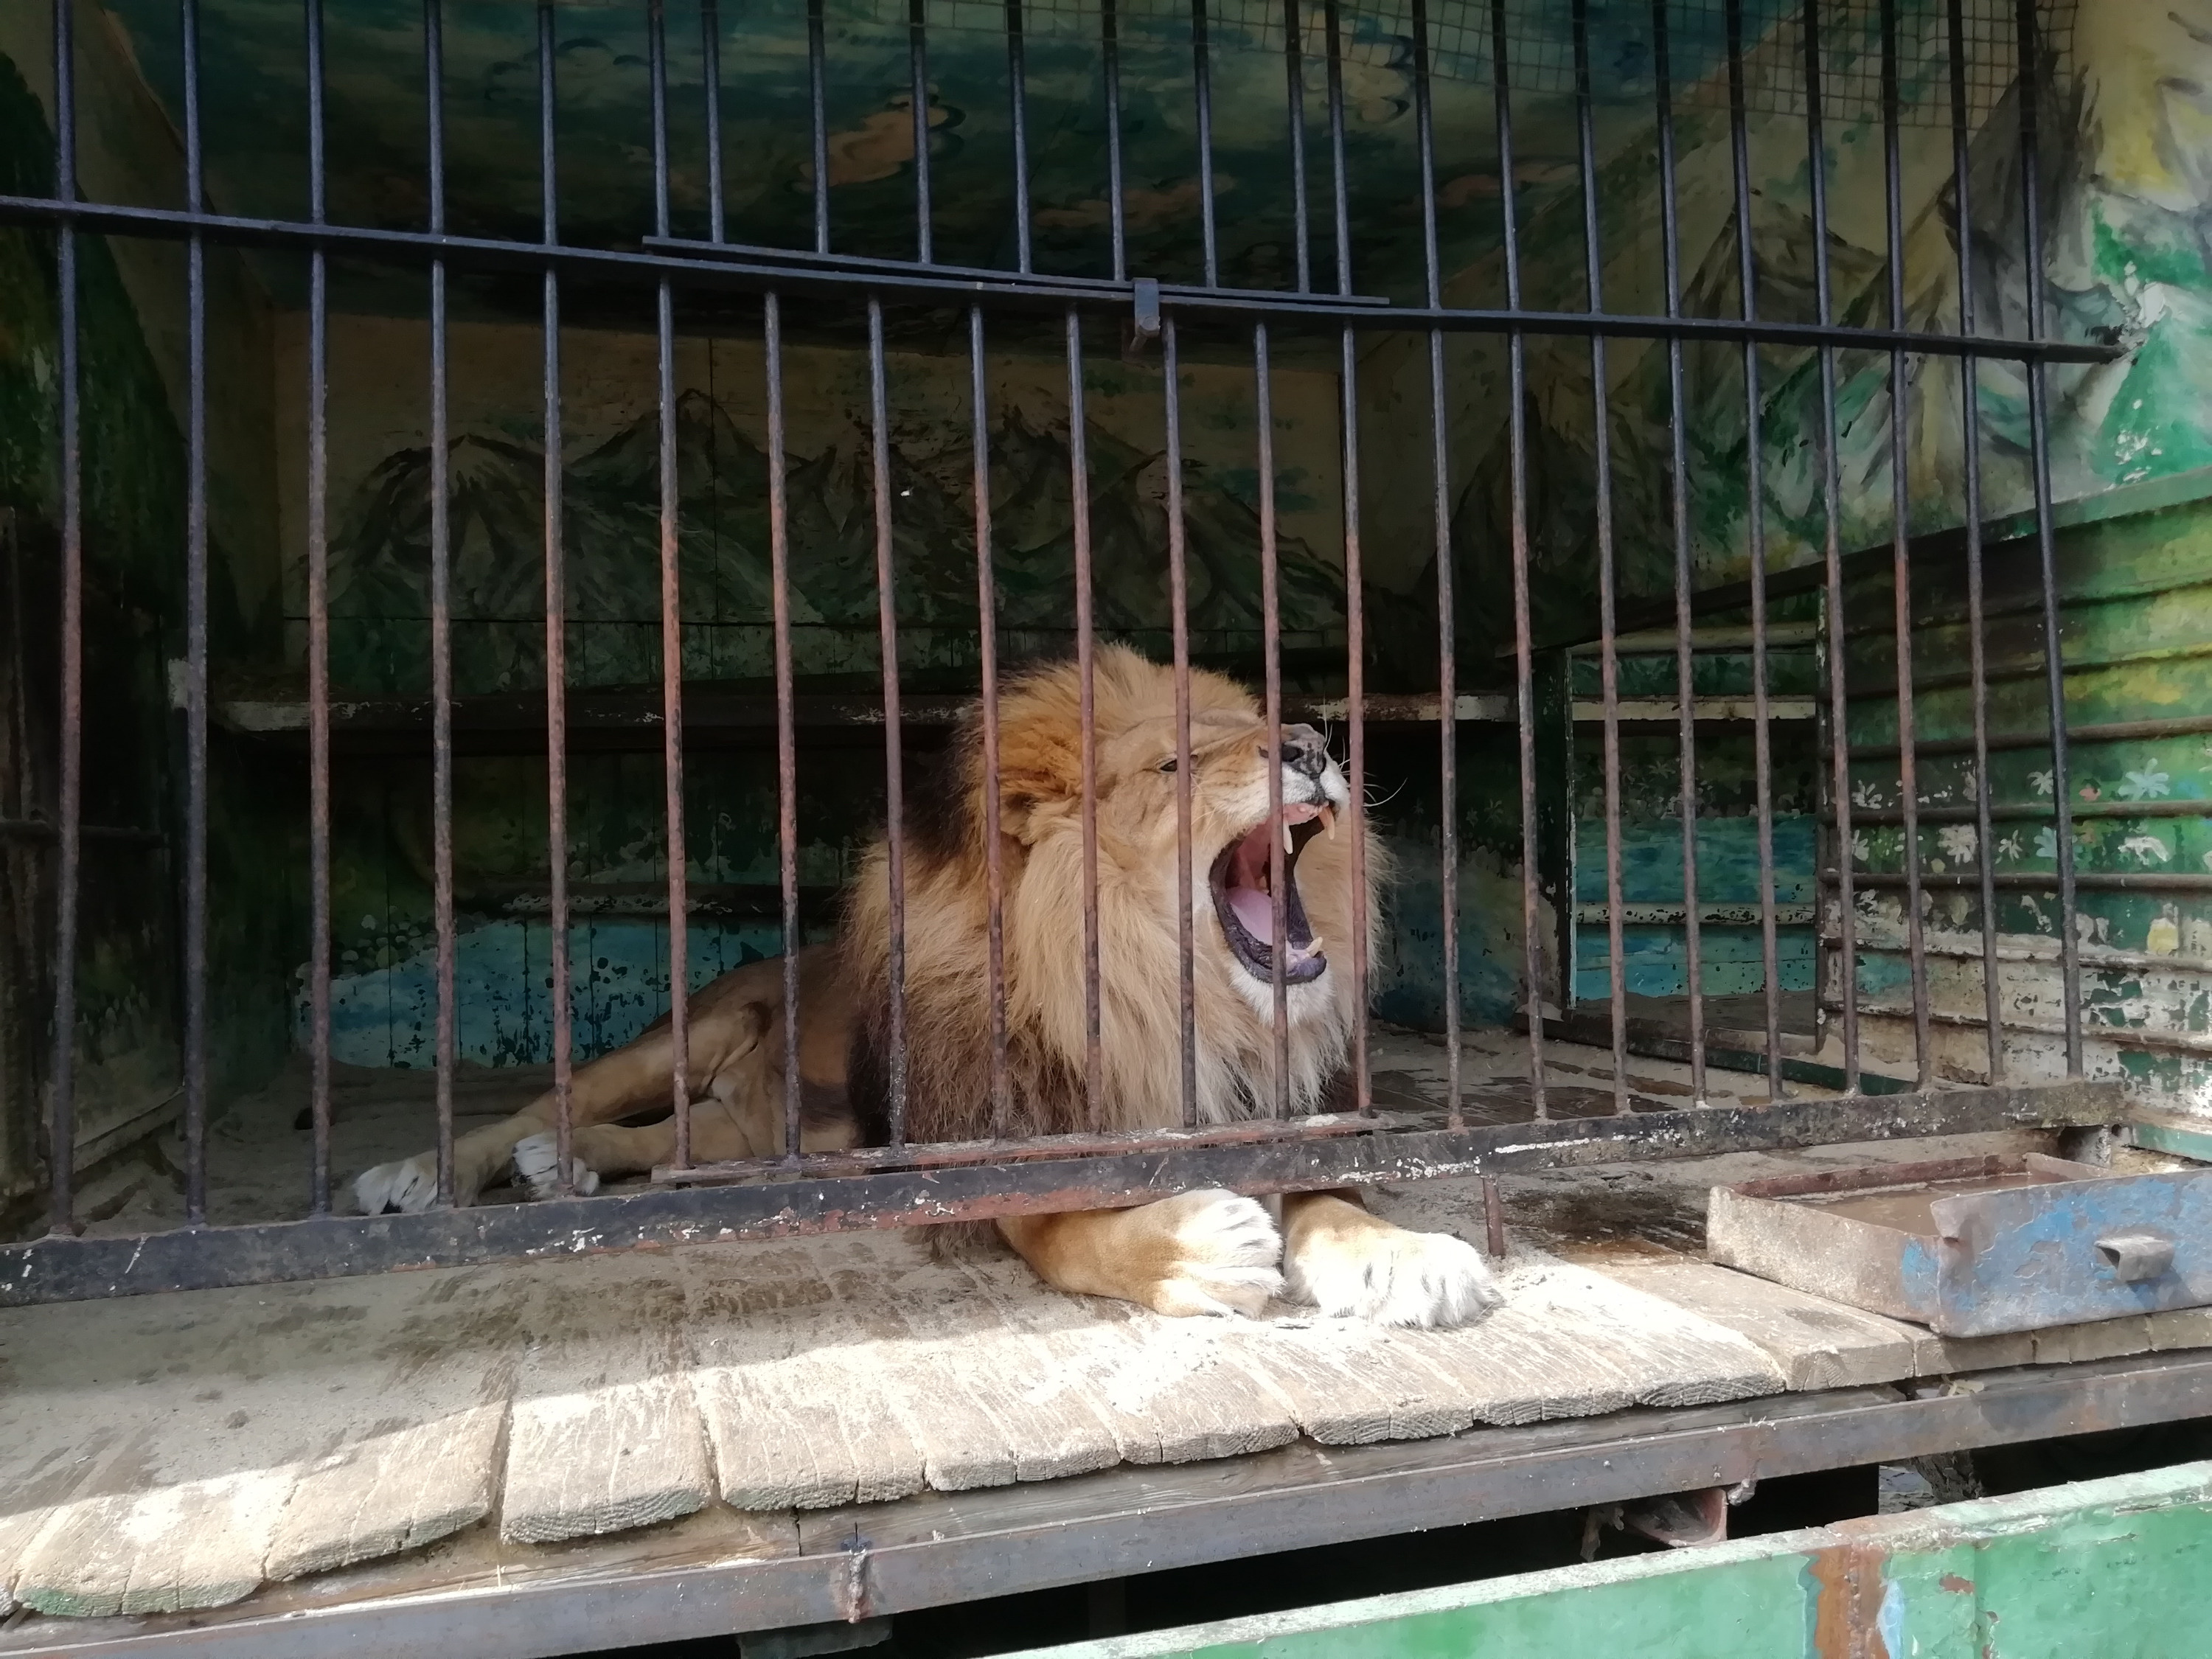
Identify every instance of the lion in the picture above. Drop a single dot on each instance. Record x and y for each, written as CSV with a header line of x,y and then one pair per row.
x,y
1199,1252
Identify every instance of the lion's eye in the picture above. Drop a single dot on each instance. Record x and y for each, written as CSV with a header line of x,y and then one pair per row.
x,y
1169,764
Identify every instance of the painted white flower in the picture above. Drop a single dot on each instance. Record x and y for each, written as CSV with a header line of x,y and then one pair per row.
x,y
1862,848
2041,782
2010,847
1959,841
2149,848
2149,784
2046,842
1864,793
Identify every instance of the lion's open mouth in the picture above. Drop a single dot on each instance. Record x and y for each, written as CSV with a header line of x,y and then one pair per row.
x,y
1244,901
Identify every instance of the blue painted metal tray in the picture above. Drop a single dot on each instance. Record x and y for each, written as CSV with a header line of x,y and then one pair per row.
x,y
1976,1247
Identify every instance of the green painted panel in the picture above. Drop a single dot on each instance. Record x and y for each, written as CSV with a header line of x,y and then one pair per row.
x,y
2111,1568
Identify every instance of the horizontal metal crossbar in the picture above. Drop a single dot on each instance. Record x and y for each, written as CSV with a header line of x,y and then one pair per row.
x,y
60,1269
926,284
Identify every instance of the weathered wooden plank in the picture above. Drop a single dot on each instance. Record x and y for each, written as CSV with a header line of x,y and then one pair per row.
x,y
1817,1344
277,1434
604,1433
795,1412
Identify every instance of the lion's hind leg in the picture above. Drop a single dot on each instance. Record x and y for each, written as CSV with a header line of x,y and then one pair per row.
x,y
1204,1252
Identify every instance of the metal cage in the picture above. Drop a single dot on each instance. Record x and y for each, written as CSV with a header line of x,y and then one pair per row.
x,y
1996,63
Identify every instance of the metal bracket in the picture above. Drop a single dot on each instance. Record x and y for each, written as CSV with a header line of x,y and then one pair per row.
x,y
1144,326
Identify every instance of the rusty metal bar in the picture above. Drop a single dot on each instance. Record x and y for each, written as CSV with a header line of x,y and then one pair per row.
x,y
1756,499
441,622
1271,624
1901,530
818,123
318,629
1201,65
710,82
1839,782
671,620
879,438
2029,57
1608,577
1017,98
557,625
1355,603
195,642
987,642
2028,881
1516,439
1685,573
1078,501
1294,79
787,732
1970,414
61,1108
1109,63
67,1270
1440,509
917,51
1179,623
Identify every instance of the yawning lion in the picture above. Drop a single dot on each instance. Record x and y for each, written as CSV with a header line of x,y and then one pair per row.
x,y
1197,1252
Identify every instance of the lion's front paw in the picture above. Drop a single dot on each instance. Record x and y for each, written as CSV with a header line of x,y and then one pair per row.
x,y
1392,1276
410,1186
537,1162
1221,1252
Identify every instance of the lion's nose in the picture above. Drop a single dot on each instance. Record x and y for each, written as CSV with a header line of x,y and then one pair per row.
x,y
1304,751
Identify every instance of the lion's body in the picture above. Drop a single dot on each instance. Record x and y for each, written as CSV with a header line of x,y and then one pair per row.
x,y
1197,1252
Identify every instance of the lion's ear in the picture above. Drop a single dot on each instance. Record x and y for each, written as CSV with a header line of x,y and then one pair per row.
x,y
1039,783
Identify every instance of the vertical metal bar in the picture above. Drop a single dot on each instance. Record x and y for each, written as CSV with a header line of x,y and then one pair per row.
x,y
1355,609
318,629
987,644
1179,622
1678,474
2030,57
1271,624
710,53
61,1121
1078,484
1755,528
1831,497
1201,61
1977,647
672,625
1340,181
819,118
1608,572
917,51
787,729
195,642
556,618
1440,504
1517,432
1018,95
1908,768
879,433
1294,74
1355,687
1109,53
441,625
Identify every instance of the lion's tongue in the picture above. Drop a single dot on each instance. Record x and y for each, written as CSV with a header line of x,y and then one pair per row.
x,y
1255,910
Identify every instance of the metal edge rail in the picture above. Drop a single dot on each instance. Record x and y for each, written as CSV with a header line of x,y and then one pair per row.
x,y
60,1269
944,1548
919,283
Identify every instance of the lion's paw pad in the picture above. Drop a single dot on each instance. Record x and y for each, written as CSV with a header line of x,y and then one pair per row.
x,y
1394,1277
537,1163
1224,1251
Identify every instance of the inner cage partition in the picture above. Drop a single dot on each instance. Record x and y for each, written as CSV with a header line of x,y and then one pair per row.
x,y
902,1181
